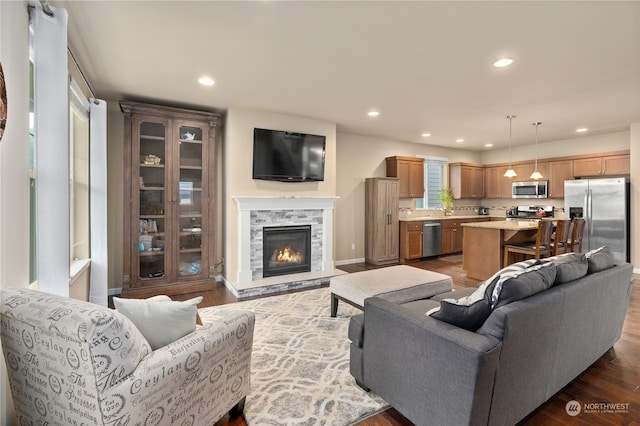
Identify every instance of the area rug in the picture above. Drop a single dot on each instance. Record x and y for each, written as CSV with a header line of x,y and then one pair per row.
x,y
300,362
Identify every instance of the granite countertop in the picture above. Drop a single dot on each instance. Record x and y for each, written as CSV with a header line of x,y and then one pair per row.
x,y
509,225
459,217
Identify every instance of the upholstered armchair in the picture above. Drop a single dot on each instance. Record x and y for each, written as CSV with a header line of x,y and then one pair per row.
x,y
72,362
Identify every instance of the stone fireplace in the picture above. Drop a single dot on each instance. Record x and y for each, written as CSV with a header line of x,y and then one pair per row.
x,y
257,213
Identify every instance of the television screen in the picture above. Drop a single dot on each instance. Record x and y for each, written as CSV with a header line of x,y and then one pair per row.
x,y
287,156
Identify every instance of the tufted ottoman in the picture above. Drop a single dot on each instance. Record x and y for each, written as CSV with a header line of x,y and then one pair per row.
x,y
394,282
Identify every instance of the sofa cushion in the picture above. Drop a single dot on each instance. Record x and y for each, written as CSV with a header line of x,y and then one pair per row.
x,y
160,322
600,259
569,267
530,281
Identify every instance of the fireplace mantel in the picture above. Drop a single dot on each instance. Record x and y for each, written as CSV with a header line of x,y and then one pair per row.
x,y
247,204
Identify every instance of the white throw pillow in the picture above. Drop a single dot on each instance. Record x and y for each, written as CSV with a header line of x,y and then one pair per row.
x,y
160,321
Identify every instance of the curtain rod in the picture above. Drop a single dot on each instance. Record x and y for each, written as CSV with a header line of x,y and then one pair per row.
x,y
46,8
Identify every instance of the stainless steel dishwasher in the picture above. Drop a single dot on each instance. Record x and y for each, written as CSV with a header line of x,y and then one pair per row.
x,y
431,238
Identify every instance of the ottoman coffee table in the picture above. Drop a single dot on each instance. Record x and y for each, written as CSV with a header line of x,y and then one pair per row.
x,y
397,283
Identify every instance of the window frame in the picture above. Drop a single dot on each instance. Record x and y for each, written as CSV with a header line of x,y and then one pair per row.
x,y
442,162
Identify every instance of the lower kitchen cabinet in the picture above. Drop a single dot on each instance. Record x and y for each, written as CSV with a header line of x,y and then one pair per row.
x,y
452,233
410,240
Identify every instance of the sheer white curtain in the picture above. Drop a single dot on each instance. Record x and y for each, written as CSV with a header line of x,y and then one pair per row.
x,y
52,148
98,292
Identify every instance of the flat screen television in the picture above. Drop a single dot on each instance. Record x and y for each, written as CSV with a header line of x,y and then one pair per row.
x,y
287,156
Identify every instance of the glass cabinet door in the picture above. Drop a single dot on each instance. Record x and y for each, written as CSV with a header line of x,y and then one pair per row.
x,y
152,199
191,210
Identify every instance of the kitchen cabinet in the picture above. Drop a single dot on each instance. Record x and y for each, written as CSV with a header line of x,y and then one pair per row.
x,y
168,199
382,229
496,184
452,233
608,165
466,180
559,171
410,171
410,240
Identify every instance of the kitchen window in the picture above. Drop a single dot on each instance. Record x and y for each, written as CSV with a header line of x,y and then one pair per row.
x,y
434,169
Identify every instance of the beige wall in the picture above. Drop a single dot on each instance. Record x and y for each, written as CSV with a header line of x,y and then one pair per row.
x,y
615,141
360,157
237,152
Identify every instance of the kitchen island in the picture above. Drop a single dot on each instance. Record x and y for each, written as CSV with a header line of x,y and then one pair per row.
x,y
483,244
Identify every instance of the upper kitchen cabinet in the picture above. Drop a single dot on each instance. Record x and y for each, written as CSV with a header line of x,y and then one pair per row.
x,y
466,180
606,165
496,184
410,171
559,171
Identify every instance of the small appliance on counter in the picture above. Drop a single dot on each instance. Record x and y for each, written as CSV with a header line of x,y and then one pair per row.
x,y
483,211
529,212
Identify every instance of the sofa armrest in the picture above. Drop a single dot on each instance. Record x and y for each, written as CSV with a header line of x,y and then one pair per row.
x,y
425,368
200,376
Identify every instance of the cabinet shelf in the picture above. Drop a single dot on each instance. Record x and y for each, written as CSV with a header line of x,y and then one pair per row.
x,y
151,253
194,141
153,138
151,216
190,167
151,188
191,250
152,166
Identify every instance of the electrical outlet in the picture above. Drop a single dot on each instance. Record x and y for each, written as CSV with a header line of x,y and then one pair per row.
x,y
353,246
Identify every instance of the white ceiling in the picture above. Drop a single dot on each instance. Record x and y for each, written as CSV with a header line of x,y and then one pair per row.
x,y
426,66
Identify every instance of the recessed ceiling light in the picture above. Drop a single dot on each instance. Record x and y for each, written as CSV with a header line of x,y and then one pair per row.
x,y
488,145
459,140
581,130
504,62
206,81
426,135
373,113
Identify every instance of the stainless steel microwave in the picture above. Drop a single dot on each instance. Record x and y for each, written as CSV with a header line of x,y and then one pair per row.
x,y
534,189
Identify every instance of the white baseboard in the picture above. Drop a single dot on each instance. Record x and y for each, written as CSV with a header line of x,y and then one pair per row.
x,y
636,271
349,261
115,291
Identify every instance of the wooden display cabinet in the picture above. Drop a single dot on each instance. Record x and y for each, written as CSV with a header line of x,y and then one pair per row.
x,y
168,199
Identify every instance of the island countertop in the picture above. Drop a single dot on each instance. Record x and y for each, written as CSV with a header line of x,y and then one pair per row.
x,y
507,225
433,218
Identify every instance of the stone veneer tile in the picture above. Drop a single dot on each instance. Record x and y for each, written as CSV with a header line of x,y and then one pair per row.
x,y
261,218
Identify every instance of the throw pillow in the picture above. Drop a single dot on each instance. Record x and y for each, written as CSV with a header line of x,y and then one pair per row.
x,y
471,312
457,312
160,321
600,259
569,267
526,283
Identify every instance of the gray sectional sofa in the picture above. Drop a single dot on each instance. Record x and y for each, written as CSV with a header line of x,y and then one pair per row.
x,y
528,348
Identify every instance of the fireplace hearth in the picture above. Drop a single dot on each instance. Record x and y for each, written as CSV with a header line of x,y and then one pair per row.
x,y
286,250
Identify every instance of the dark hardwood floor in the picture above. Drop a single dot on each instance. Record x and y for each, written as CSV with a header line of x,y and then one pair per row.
x,y
614,378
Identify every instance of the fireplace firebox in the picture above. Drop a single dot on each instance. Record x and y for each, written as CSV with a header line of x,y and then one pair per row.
x,y
286,250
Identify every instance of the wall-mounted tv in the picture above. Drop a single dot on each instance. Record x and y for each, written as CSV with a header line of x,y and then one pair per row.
x,y
287,156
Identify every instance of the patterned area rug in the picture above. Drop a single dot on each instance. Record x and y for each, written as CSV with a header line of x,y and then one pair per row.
x,y
300,362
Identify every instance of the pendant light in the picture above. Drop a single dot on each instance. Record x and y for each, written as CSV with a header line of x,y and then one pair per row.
x,y
510,172
536,174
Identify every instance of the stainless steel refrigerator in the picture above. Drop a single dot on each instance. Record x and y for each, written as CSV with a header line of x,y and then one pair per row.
x,y
604,203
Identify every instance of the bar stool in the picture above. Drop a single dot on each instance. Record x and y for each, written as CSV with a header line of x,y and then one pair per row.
x,y
540,249
575,242
559,242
